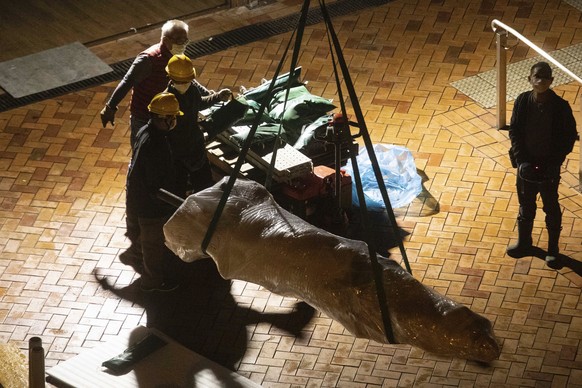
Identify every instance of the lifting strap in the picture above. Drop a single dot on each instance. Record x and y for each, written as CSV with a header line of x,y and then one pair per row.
x,y
363,131
248,141
334,47
300,29
376,267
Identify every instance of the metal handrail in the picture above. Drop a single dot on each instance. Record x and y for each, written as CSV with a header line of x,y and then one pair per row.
x,y
544,54
501,33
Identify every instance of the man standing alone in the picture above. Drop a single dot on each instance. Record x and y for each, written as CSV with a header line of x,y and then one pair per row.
x,y
542,132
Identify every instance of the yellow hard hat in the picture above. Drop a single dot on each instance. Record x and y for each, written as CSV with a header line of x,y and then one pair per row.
x,y
180,68
165,104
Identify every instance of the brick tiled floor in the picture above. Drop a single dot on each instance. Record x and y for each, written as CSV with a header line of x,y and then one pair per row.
x,y
62,211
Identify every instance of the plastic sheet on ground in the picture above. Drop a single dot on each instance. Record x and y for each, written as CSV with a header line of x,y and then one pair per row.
x,y
398,170
13,366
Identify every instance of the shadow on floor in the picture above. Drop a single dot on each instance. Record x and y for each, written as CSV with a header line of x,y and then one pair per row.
x,y
384,236
203,315
560,262
425,204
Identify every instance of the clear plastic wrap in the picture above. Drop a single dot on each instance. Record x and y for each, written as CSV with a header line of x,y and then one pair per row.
x,y
258,241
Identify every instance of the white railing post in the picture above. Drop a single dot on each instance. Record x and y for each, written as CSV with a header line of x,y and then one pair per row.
x,y
501,79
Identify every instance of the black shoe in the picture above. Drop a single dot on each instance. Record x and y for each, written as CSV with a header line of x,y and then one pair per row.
x,y
553,260
517,251
163,287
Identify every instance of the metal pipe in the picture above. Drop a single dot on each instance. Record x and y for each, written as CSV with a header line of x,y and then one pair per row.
x,y
544,54
501,79
36,372
170,198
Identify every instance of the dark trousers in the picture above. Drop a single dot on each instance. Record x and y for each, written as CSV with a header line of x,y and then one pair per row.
x,y
527,193
160,263
158,260
202,178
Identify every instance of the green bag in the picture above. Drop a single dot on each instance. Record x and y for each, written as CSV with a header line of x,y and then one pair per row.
x,y
224,117
260,92
251,114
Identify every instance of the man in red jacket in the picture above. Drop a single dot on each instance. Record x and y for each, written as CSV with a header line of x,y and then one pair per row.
x,y
147,77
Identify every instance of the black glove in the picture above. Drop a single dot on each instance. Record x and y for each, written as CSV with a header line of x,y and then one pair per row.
x,y
225,94
108,115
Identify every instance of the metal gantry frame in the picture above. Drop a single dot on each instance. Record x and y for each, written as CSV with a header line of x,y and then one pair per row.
x,y
502,32
340,66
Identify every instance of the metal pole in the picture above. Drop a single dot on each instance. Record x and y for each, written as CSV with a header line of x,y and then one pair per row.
x,y
36,367
501,79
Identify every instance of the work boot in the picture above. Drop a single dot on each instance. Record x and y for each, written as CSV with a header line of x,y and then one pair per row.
x,y
553,247
524,241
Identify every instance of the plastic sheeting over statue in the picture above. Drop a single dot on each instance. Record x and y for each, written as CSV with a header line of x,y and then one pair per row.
x,y
258,241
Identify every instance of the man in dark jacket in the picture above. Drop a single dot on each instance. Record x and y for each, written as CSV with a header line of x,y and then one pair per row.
x,y
147,76
187,139
153,168
542,132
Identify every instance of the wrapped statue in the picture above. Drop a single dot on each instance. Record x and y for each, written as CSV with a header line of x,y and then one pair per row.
x,y
258,241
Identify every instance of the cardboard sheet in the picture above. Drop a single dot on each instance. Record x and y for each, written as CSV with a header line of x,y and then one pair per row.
x,y
171,366
50,69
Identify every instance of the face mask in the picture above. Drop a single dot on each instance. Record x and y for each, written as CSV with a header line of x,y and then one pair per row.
x,y
171,123
178,49
165,123
181,88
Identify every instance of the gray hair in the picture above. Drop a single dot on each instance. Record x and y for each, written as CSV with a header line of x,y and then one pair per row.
x,y
172,25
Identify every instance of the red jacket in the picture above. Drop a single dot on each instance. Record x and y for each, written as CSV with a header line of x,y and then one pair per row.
x,y
147,77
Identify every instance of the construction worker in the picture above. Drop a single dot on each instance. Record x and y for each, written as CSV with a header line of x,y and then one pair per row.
x,y
187,139
147,76
153,168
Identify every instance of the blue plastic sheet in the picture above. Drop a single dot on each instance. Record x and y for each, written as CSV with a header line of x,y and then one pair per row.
x,y
399,174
